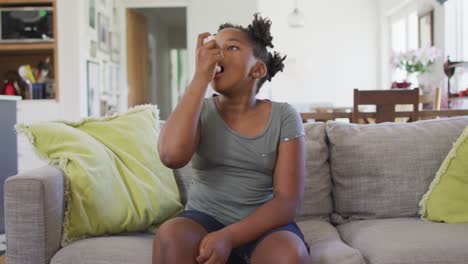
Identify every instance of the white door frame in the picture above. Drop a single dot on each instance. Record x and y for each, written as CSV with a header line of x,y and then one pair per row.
x,y
122,6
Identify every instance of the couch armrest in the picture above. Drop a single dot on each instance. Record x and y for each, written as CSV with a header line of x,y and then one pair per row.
x,y
326,246
34,206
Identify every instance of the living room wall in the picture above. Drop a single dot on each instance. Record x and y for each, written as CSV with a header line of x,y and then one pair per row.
x,y
336,50
74,50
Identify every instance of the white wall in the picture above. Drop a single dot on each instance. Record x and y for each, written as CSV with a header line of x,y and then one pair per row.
x,y
69,16
333,53
74,38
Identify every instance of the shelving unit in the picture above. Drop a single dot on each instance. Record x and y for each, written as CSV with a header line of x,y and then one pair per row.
x,y
13,55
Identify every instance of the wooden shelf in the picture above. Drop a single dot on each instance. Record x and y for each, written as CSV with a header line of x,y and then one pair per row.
x,y
13,55
26,46
26,1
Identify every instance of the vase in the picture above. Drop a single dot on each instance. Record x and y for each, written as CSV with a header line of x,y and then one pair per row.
x,y
413,79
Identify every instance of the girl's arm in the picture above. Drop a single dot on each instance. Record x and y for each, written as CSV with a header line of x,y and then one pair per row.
x,y
180,135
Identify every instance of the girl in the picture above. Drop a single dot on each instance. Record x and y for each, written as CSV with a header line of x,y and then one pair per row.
x,y
248,156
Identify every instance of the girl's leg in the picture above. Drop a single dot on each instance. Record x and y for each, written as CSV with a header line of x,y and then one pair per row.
x,y
177,241
280,247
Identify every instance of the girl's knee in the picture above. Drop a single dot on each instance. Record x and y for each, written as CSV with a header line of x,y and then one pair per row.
x,y
180,232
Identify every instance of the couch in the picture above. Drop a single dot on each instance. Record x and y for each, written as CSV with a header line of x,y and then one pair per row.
x,y
363,186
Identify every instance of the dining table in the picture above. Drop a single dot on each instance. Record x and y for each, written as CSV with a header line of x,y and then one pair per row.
x,y
423,114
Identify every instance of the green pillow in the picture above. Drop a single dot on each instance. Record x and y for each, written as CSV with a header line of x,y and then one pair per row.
x,y
447,198
115,181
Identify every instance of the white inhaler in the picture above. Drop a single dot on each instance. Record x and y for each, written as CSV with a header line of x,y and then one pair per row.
x,y
207,39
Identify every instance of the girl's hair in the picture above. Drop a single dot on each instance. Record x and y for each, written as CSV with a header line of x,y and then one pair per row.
x,y
259,34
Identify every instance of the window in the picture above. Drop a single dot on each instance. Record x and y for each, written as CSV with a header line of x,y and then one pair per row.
x,y
404,37
456,40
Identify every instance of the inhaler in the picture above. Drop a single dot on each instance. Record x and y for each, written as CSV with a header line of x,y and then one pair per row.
x,y
207,39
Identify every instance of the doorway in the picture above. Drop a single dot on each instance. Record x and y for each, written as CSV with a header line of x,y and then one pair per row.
x,y
157,62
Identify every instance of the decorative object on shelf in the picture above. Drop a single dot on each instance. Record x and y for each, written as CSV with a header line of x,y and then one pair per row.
x,y
296,18
415,62
93,88
9,89
27,23
401,85
463,93
103,32
449,70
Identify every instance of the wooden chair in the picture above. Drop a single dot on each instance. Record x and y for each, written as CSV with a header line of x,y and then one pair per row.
x,y
434,100
385,102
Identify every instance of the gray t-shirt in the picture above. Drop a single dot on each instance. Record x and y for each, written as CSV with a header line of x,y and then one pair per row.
x,y
234,173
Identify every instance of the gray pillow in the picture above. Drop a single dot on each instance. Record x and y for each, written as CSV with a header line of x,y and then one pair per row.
x,y
382,170
317,195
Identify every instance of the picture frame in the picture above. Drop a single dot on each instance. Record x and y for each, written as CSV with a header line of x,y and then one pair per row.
x,y
115,46
93,49
105,78
93,89
92,14
103,33
426,29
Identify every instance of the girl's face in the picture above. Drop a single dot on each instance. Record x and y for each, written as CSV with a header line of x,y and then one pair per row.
x,y
237,64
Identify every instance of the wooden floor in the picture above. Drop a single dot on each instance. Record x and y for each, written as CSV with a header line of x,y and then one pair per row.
x,y
2,260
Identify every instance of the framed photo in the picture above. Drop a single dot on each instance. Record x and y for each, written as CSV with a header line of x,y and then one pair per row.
x,y
93,83
115,46
92,14
426,30
93,48
114,79
103,33
105,78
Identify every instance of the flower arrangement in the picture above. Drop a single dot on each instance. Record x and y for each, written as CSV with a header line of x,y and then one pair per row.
x,y
416,61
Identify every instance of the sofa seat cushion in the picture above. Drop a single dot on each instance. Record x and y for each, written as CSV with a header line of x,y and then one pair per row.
x,y
123,249
407,241
326,246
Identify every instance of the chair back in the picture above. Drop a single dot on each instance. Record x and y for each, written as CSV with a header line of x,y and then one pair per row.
x,y
385,102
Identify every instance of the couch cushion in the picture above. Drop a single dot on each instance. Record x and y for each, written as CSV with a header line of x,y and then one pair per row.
x,y
326,246
132,248
382,170
317,195
407,241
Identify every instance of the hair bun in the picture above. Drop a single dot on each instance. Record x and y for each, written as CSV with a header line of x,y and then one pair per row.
x,y
275,64
260,30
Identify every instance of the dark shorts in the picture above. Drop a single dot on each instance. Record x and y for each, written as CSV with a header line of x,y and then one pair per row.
x,y
241,254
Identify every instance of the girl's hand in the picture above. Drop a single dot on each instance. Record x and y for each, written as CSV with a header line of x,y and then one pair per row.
x,y
215,248
208,55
